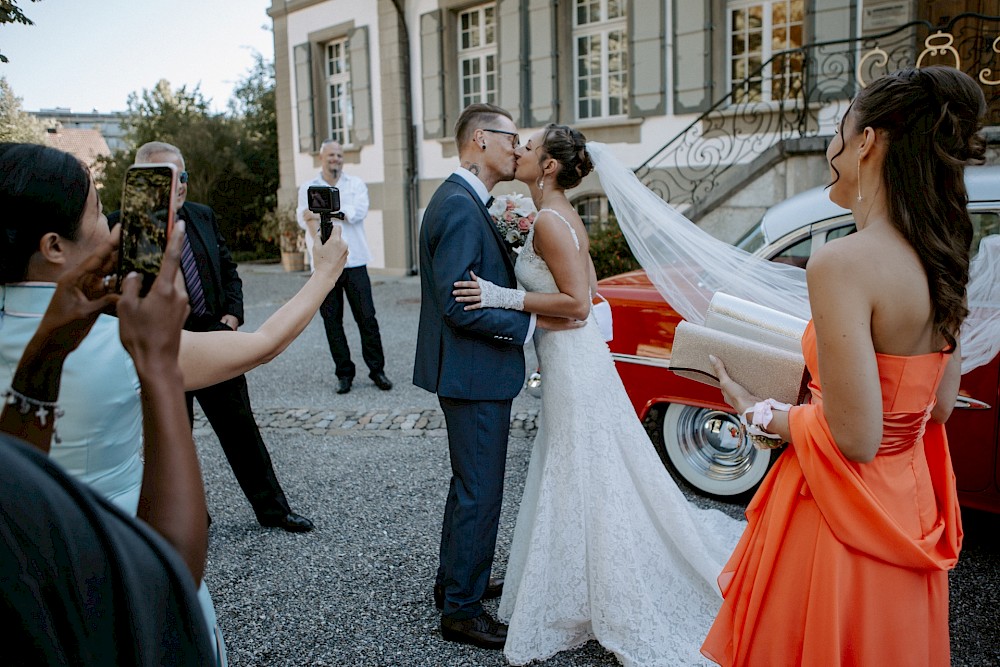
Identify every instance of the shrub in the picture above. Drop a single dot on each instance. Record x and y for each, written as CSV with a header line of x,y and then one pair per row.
x,y
280,227
610,251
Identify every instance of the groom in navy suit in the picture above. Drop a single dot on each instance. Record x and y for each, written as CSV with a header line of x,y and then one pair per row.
x,y
474,361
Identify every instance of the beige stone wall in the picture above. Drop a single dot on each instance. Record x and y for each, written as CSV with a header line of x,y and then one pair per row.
x,y
743,209
390,59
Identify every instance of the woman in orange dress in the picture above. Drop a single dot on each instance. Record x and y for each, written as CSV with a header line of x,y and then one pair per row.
x,y
850,538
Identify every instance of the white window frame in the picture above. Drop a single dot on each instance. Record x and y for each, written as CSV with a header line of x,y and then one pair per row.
x,y
479,56
602,27
339,120
766,45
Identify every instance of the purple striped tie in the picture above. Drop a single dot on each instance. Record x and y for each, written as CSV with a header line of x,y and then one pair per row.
x,y
192,280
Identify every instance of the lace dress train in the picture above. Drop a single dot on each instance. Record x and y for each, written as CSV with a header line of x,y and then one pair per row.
x,y
605,546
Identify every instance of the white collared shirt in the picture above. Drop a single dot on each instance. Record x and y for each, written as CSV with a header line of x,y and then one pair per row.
x,y
354,206
474,181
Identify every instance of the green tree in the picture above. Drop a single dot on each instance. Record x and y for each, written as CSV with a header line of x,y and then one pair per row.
x,y
179,117
232,158
252,192
15,123
11,13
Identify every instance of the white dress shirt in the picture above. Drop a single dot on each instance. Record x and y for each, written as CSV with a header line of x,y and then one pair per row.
x,y
354,206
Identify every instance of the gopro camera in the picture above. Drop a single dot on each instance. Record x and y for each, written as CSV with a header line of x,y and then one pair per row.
x,y
323,199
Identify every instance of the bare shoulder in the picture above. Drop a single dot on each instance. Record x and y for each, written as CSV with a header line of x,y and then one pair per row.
x,y
561,228
849,259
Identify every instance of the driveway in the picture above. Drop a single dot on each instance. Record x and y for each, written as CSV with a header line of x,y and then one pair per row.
x,y
371,469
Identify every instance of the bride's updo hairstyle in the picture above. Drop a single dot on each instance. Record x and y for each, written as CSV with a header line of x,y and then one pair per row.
x,y
568,147
932,117
42,190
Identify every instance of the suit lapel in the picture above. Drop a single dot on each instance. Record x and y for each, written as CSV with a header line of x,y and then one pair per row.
x,y
488,220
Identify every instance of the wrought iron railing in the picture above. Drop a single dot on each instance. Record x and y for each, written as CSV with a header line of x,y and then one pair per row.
x,y
802,93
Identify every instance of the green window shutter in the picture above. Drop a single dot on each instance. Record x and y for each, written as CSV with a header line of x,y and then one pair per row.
x,y
432,73
692,56
361,88
647,52
509,54
304,97
543,98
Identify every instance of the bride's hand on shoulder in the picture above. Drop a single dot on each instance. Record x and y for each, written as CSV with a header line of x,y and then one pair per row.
x,y
469,292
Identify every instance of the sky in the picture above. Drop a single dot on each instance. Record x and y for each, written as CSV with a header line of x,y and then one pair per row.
x,y
91,54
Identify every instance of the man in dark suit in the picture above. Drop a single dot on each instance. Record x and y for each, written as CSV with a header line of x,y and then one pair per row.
x,y
474,361
216,294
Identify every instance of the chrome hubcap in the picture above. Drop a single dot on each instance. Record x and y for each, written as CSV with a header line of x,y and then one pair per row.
x,y
710,442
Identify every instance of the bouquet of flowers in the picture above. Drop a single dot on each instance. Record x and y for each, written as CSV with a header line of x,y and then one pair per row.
x,y
513,214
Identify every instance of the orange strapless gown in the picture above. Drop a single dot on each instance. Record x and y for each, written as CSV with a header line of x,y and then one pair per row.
x,y
847,563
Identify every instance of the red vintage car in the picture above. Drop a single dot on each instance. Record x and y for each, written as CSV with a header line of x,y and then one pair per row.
x,y
697,434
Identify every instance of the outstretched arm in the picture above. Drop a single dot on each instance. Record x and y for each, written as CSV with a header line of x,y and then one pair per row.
x,y
207,358
172,499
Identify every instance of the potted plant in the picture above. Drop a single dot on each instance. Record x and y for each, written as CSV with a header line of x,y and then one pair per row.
x,y
280,226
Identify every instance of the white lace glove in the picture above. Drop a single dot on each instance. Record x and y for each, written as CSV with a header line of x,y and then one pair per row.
x,y
494,296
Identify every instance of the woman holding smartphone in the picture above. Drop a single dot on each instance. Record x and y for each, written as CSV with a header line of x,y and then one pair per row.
x,y
52,222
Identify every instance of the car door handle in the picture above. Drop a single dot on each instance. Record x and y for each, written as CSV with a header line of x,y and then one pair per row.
x,y
969,403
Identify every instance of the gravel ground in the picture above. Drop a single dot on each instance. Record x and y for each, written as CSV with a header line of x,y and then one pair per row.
x,y
356,591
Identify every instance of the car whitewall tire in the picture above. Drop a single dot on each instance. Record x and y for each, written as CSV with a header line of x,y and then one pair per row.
x,y
704,447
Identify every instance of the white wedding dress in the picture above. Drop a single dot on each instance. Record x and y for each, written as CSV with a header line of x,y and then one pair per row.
x,y
605,546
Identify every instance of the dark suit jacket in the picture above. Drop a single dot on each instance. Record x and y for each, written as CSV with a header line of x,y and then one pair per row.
x,y
219,279
475,354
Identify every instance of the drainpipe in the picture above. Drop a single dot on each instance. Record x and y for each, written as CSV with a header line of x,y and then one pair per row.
x,y
410,204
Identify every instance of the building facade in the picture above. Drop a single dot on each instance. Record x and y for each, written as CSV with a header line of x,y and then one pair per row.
x,y
388,79
108,124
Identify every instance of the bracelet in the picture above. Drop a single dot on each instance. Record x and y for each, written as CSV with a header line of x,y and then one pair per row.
x,y
23,404
761,417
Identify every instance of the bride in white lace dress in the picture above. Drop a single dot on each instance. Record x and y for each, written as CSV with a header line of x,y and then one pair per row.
x,y
605,546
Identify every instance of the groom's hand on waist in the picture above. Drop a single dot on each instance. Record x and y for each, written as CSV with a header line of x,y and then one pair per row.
x,y
558,323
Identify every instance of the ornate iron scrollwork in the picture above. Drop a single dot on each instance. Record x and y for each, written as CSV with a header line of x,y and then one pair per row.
x,y
986,71
810,88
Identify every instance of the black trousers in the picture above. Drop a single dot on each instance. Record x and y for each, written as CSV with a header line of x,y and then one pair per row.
x,y
227,407
356,286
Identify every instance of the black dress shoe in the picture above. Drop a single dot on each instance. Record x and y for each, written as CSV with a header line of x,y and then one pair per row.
x,y
494,589
344,385
292,522
381,381
483,631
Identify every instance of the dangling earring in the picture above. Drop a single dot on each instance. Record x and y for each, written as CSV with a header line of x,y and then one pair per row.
x,y
483,145
860,197
541,185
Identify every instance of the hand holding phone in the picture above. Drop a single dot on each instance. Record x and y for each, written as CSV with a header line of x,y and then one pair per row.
x,y
147,219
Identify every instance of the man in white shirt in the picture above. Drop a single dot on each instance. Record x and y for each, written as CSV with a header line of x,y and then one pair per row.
x,y
354,281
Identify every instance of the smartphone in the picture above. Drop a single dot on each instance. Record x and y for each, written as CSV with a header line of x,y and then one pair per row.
x,y
147,218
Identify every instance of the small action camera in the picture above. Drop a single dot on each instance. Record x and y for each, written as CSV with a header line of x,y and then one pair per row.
x,y
323,199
